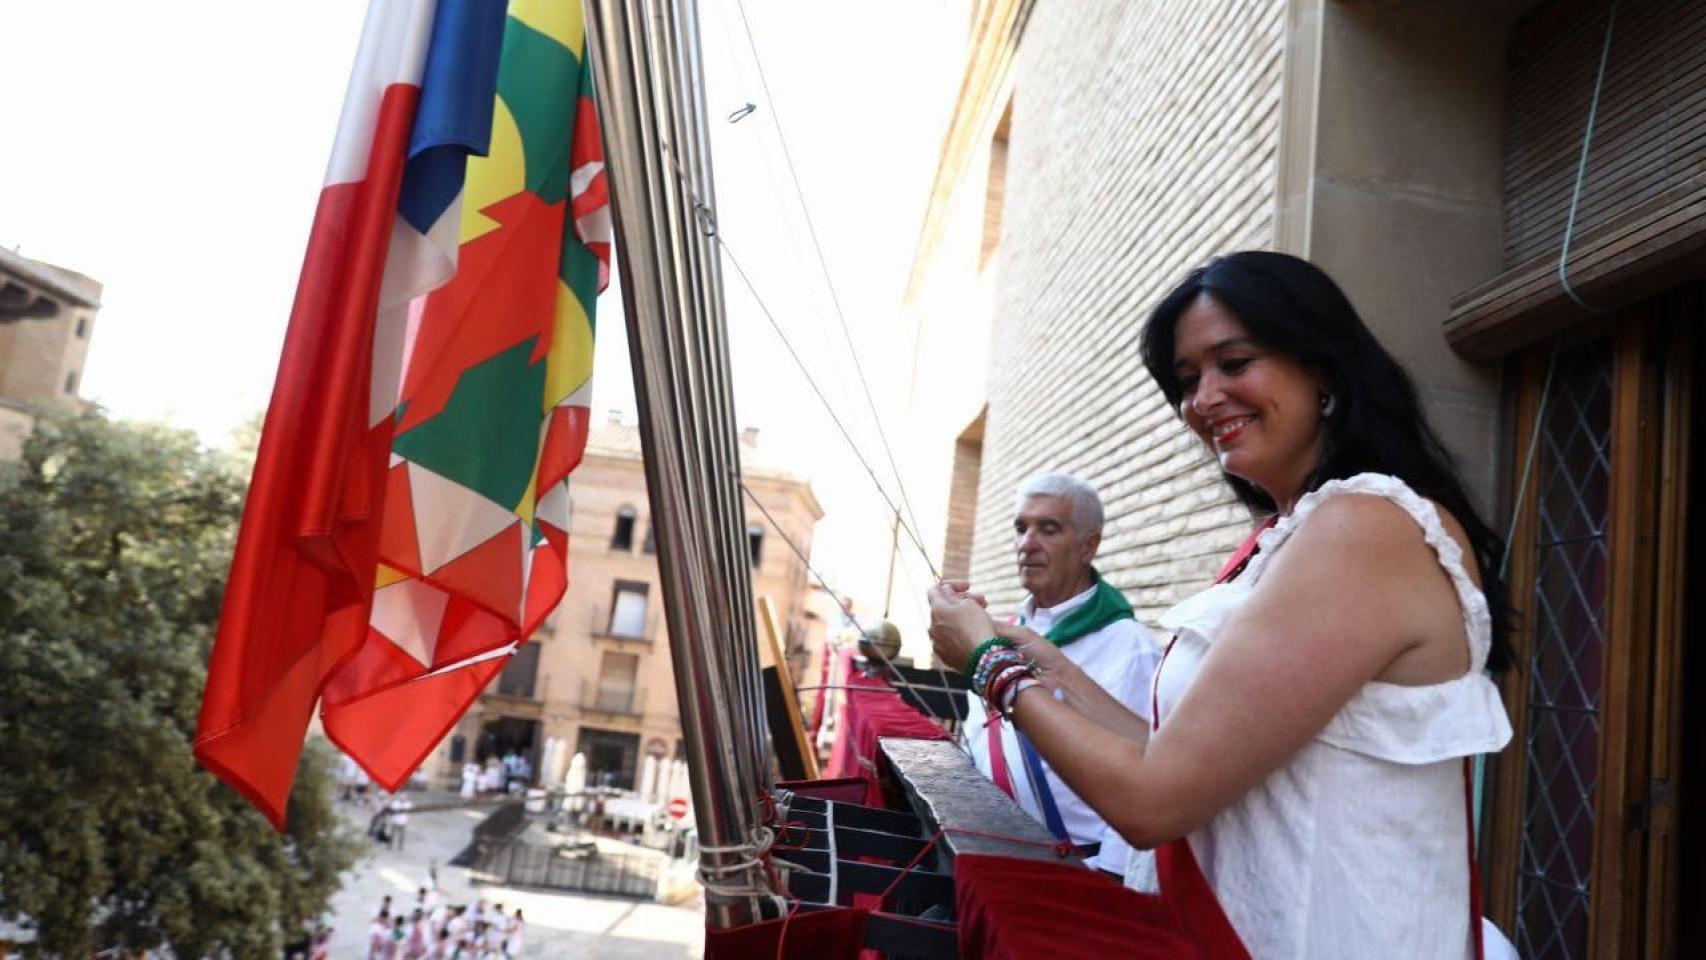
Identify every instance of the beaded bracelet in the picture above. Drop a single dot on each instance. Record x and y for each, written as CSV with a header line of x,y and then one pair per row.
x,y
997,685
993,663
989,663
978,651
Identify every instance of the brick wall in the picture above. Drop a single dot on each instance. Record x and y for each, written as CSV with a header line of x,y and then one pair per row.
x,y
1144,139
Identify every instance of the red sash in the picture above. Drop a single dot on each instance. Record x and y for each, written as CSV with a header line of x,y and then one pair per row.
x,y
1185,888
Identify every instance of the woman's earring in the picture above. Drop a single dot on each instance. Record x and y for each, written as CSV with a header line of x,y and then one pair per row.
x,y
1329,403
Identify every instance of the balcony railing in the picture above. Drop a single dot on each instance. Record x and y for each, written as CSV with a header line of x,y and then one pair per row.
x,y
616,701
604,629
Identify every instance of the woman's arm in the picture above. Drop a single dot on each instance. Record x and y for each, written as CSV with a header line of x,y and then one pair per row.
x,y
1322,622
1073,686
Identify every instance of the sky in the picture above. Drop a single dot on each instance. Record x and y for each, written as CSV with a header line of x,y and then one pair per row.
x,y
174,152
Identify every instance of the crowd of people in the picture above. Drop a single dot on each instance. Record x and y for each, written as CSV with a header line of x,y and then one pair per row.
x,y
431,928
506,775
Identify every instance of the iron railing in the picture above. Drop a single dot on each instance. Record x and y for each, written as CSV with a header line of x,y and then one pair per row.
x,y
581,867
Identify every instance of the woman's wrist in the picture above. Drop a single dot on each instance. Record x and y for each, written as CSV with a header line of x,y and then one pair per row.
x,y
1010,697
985,658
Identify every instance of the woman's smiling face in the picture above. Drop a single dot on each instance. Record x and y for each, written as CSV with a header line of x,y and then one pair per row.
x,y
1258,410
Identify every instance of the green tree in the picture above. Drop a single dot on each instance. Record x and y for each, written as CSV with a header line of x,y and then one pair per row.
x,y
114,543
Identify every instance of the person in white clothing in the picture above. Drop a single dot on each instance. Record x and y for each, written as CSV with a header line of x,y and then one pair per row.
x,y
512,942
401,805
1305,778
1057,529
378,936
459,924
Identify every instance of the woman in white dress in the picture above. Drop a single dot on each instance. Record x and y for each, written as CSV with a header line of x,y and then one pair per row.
x,y
1316,711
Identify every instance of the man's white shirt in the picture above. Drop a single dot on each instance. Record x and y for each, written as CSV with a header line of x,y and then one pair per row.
x,y
1121,658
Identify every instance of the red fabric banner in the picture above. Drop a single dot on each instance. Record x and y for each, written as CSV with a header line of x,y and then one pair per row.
x,y
832,934
1012,909
870,713
301,585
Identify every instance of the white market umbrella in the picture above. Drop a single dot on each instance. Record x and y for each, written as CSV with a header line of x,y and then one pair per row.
x,y
575,782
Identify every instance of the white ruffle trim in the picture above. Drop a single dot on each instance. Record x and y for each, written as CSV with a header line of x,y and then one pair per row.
x,y
1477,619
1387,721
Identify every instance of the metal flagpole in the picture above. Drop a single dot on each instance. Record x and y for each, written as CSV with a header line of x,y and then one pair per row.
x,y
651,112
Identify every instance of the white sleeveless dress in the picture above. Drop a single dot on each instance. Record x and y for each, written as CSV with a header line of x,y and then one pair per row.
x,y
1358,846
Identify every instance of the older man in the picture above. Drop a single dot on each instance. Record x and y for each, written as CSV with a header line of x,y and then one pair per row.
x,y
1057,530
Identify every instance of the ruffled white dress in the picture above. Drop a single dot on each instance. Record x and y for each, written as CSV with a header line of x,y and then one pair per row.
x,y
1358,846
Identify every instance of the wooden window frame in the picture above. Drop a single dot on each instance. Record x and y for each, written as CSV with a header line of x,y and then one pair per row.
x,y
1632,907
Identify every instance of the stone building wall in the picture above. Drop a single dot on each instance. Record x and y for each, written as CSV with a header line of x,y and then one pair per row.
x,y
1144,138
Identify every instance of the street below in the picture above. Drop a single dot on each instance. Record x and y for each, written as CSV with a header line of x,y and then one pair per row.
x,y
557,924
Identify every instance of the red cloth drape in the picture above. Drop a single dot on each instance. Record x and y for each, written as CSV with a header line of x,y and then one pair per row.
x,y
866,717
832,934
1012,909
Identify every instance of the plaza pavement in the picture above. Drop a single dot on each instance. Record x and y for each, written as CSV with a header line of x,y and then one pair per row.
x,y
558,925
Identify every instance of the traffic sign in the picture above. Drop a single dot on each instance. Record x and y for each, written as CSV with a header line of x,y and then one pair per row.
x,y
678,807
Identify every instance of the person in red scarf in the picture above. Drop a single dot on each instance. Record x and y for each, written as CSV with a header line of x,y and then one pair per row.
x,y
1304,778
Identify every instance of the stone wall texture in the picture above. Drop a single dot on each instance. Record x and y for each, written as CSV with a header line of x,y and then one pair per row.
x,y
1144,140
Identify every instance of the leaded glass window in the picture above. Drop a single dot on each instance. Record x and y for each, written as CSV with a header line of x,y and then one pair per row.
x,y
1565,667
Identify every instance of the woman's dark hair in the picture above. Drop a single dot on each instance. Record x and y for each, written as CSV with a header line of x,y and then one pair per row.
x,y
1291,306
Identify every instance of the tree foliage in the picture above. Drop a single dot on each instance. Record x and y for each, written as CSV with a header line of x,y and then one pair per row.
x,y
114,544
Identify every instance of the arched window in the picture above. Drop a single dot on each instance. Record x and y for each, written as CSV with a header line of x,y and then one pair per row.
x,y
623,538
755,542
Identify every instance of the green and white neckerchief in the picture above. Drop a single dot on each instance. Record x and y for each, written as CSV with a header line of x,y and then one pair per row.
x,y
1106,605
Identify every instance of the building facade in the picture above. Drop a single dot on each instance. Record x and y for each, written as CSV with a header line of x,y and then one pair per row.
x,y
599,676
1430,156
47,317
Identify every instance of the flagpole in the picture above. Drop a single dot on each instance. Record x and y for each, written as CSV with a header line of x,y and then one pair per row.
x,y
651,114
695,139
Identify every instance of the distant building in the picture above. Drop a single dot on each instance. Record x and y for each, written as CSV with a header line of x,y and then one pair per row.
x,y
47,316
599,676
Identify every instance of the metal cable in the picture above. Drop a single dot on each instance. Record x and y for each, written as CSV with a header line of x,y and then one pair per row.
x,y
1528,459
829,282
848,612
1582,168
793,354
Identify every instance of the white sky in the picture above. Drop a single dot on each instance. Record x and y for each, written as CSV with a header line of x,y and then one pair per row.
x,y
174,152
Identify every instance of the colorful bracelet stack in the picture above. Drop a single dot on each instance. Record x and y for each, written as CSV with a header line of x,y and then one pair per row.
x,y
1010,695
1006,679
978,669
999,672
981,663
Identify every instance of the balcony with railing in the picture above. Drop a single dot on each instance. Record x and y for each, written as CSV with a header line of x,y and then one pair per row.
x,y
612,699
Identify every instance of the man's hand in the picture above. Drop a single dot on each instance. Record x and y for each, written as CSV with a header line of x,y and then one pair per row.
x,y
958,623
962,589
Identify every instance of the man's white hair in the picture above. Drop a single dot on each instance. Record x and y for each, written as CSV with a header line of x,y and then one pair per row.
x,y
1086,502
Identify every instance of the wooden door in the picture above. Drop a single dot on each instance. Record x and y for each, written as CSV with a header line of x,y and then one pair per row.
x,y
1582,831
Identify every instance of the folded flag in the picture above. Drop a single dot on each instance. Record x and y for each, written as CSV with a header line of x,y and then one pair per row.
x,y
407,522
